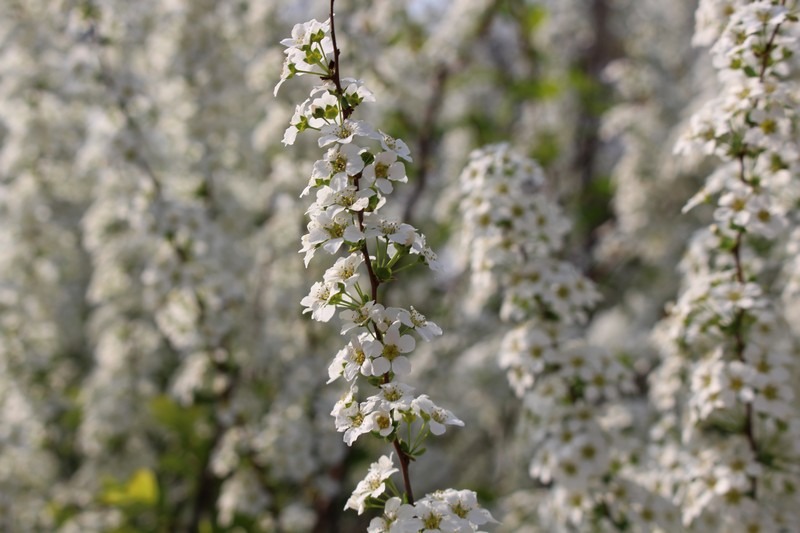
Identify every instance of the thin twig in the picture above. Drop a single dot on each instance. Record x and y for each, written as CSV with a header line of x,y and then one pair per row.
x,y
749,422
373,278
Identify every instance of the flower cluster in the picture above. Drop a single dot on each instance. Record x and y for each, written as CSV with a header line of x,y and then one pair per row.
x,y
727,332
351,184
448,510
515,233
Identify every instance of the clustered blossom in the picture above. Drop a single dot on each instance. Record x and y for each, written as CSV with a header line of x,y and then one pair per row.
x,y
442,511
448,510
351,184
728,332
514,233
149,280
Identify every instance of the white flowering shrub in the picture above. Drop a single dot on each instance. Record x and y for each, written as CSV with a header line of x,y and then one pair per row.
x,y
728,382
352,183
512,235
581,355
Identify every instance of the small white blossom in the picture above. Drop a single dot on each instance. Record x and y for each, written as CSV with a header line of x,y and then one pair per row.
x,y
383,171
373,485
437,417
318,301
393,346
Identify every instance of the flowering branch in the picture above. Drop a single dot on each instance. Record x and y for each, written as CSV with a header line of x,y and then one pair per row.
x,y
512,234
726,319
352,183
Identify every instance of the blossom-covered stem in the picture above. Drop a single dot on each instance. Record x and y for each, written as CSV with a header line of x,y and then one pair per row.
x,y
374,284
346,111
740,345
727,315
373,278
352,183
513,235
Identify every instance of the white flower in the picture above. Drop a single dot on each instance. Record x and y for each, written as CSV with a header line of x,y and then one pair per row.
x,y
426,329
353,419
420,246
358,317
464,504
383,171
393,346
301,54
395,394
373,485
382,420
727,298
574,502
303,33
344,133
340,163
300,121
330,232
436,417
318,301
355,90
398,517
436,516
349,361
344,271
335,201
395,145
774,398
395,232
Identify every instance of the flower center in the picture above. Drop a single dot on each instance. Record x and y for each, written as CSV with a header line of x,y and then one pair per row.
x,y
432,521
390,351
359,357
339,164
357,420
381,170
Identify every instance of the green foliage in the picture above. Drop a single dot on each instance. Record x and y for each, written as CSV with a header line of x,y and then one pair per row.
x,y
141,490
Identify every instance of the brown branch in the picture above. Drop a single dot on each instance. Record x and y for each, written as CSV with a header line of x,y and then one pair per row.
x,y
335,77
427,130
749,422
374,281
426,140
768,49
404,462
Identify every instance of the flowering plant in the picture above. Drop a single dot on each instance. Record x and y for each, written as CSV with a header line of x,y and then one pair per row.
x,y
728,332
351,184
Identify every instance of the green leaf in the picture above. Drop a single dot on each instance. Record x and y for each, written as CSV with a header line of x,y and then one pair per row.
x,y
367,157
536,16
141,489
